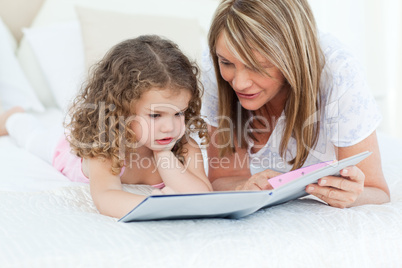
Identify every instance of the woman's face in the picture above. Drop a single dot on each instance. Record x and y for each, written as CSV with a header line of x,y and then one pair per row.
x,y
253,89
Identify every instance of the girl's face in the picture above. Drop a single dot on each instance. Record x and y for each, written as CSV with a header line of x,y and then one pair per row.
x,y
159,118
253,89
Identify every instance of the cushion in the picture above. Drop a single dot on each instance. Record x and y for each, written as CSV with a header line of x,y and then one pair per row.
x,y
103,29
60,11
63,10
14,86
59,52
17,14
30,64
7,36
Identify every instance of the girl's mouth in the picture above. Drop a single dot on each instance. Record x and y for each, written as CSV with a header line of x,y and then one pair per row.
x,y
164,141
247,96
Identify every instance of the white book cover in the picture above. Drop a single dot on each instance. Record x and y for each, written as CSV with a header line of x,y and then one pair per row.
x,y
237,204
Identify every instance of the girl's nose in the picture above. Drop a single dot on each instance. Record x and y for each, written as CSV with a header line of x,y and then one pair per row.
x,y
167,126
241,80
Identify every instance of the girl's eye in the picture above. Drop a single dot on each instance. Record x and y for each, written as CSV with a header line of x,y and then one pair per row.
x,y
154,115
180,114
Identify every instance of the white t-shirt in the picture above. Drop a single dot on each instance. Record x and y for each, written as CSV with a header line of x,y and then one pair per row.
x,y
350,111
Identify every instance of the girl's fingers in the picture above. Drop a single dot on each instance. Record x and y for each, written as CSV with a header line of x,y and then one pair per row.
x,y
164,190
168,190
156,192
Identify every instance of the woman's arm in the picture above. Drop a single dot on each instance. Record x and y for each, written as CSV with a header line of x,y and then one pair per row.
x,y
360,184
187,177
228,172
106,190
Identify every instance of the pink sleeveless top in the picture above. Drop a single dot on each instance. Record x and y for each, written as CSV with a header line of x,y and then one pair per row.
x,y
70,165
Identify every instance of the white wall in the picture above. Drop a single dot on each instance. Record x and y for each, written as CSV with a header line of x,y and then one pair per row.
x,y
372,29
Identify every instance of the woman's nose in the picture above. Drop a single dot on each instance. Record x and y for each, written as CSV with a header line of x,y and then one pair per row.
x,y
241,80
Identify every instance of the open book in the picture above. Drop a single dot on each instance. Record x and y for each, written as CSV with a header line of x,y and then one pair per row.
x,y
287,186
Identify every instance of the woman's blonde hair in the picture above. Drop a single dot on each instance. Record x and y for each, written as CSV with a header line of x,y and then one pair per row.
x,y
101,113
284,32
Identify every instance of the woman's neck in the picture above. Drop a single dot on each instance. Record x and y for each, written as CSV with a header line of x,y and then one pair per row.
x,y
274,108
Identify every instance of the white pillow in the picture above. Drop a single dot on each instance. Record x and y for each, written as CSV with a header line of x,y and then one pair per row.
x,y
59,52
57,11
200,10
103,29
7,36
14,86
63,10
34,73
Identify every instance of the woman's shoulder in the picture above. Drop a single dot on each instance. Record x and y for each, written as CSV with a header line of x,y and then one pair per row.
x,y
342,70
332,46
208,78
209,108
337,55
351,112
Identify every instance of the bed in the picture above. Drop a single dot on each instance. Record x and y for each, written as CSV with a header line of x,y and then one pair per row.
x,y
48,221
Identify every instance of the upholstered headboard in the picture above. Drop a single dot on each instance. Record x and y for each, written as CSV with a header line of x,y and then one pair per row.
x,y
18,14
53,42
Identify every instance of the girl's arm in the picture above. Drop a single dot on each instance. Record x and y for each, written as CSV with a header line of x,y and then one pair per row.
x,y
183,178
106,190
360,184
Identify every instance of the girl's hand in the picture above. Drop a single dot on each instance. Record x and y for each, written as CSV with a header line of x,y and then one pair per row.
x,y
258,181
340,192
167,147
164,190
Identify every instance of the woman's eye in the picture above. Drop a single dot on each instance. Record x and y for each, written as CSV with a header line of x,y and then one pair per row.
x,y
253,69
225,63
180,114
154,115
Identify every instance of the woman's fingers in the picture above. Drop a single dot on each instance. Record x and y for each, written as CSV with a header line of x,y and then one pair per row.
x,y
333,196
339,191
353,173
259,181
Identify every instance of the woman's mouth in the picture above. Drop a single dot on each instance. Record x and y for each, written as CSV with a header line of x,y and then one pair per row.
x,y
247,96
164,141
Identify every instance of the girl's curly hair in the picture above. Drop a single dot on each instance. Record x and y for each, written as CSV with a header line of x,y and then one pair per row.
x,y
100,114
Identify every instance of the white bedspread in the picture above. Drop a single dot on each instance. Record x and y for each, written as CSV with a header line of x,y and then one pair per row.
x,y
47,221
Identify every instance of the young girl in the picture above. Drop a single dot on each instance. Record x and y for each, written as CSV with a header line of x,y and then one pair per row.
x,y
129,124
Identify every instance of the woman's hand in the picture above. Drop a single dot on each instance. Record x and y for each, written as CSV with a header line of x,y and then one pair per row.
x,y
340,192
258,181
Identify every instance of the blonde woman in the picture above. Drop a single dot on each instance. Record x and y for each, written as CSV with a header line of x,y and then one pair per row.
x,y
279,95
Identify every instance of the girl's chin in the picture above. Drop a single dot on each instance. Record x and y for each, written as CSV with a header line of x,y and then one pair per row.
x,y
157,147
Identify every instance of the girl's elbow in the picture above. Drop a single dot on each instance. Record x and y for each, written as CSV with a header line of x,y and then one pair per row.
x,y
104,207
